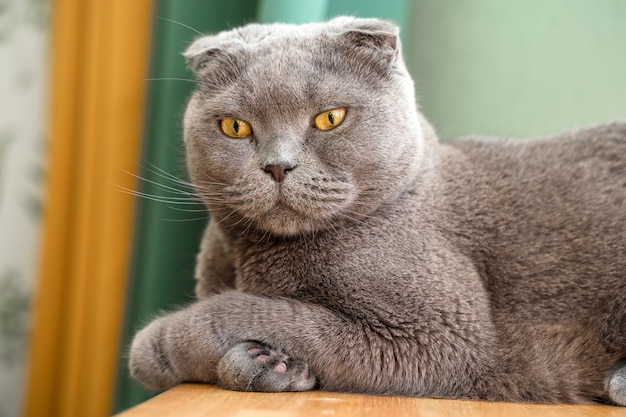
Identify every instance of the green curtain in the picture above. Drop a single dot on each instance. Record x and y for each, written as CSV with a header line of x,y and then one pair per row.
x,y
168,232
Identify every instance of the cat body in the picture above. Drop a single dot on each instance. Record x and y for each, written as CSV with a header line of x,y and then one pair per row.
x,y
372,258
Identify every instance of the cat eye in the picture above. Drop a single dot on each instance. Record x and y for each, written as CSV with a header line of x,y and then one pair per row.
x,y
235,128
330,119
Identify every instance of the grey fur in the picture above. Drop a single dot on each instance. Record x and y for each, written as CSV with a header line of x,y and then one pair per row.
x,y
388,262
616,384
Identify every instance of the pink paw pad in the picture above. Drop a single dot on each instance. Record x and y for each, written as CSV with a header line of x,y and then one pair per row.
x,y
280,368
259,354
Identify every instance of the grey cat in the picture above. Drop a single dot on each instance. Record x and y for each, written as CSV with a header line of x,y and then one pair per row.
x,y
351,251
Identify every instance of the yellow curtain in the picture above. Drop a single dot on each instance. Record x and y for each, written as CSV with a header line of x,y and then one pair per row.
x,y
99,60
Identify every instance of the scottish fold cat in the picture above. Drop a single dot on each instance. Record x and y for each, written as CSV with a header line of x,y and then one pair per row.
x,y
349,250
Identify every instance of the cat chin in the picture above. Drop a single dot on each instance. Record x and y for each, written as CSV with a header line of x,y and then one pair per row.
x,y
290,229
284,221
290,215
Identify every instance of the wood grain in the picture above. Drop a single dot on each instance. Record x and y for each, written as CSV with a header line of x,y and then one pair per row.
x,y
195,400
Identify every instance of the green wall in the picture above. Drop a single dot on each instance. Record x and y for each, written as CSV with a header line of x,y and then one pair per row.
x,y
518,68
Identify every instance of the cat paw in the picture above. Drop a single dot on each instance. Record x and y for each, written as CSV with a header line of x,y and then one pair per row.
x,y
252,366
616,385
149,362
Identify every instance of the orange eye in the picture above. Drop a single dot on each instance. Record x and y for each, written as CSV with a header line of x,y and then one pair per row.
x,y
235,128
330,119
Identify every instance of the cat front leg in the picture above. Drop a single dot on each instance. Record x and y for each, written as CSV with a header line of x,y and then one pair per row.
x,y
236,340
157,359
247,366
344,353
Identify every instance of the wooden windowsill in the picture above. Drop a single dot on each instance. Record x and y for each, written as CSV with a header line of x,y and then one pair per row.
x,y
195,400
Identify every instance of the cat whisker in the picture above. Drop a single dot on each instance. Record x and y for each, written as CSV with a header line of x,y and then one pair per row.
x,y
264,238
186,194
170,177
195,219
172,79
188,210
205,183
189,194
180,24
247,229
210,196
163,173
227,217
352,218
329,226
173,178
158,198
162,199
197,83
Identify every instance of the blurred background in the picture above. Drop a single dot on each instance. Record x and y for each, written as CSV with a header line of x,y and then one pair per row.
x,y
91,97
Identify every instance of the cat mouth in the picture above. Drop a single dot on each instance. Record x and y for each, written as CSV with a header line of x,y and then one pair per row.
x,y
291,215
292,207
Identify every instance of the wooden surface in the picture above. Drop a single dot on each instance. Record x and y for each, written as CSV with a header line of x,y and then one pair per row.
x,y
191,400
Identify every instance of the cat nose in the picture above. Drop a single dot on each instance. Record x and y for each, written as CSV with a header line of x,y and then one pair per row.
x,y
278,171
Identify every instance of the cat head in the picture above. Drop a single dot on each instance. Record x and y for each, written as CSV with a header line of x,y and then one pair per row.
x,y
296,128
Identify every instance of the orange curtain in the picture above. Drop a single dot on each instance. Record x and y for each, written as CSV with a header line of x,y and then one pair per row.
x,y
99,60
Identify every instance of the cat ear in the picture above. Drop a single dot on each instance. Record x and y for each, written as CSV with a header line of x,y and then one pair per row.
x,y
374,35
200,53
210,62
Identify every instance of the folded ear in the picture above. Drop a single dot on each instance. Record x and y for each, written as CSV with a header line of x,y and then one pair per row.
x,y
194,52
200,53
209,60
376,36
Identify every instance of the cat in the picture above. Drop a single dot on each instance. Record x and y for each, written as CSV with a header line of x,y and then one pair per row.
x,y
349,250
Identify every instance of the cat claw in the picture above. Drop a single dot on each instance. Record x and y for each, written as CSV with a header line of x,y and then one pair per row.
x,y
252,366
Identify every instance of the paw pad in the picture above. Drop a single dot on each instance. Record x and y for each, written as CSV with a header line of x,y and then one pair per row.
x,y
252,366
